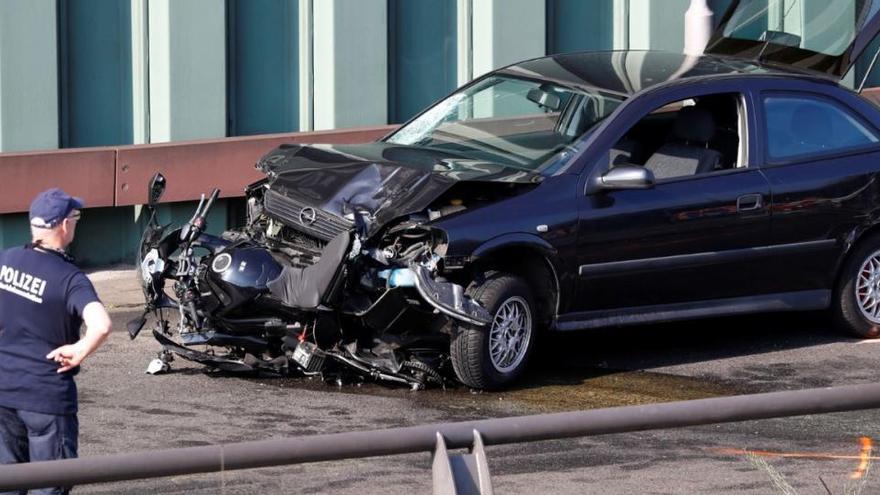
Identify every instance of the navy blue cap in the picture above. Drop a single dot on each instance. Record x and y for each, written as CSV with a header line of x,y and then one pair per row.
x,y
51,207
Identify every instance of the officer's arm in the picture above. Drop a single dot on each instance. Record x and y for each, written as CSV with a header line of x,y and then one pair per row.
x,y
98,325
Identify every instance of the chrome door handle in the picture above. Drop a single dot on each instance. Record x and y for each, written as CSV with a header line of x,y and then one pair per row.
x,y
749,202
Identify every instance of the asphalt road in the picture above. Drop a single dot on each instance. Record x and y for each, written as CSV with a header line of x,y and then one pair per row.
x,y
125,410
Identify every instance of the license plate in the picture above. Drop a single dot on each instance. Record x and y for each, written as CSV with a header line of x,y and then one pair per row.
x,y
308,356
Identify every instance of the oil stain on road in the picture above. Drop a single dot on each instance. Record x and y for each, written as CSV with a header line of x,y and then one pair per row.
x,y
546,391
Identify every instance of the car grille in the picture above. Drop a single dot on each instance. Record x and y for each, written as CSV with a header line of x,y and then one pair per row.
x,y
325,226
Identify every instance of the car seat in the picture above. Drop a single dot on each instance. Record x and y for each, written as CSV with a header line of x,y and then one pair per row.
x,y
687,152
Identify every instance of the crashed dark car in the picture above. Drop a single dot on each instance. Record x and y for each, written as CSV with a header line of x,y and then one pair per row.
x,y
562,193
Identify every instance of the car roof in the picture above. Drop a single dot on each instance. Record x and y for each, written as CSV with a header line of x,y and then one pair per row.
x,y
626,72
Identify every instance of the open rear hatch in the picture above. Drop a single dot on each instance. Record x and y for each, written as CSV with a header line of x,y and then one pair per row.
x,y
820,36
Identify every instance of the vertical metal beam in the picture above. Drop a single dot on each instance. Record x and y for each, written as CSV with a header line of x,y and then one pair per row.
x,y
478,451
351,73
465,66
306,66
621,25
639,24
441,469
140,72
461,474
507,31
187,43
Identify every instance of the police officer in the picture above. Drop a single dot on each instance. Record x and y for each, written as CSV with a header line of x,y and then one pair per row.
x,y
44,299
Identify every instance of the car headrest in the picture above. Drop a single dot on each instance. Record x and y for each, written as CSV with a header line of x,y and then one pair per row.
x,y
694,124
810,124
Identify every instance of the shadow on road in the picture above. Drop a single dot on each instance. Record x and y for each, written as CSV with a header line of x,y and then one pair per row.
x,y
626,366
661,345
616,366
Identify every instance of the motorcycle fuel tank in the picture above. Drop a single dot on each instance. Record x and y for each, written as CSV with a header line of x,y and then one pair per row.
x,y
245,268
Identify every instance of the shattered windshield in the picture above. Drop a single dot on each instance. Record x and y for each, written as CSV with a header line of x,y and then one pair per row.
x,y
516,122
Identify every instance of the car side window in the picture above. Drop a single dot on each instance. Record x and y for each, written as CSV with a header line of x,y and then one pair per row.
x,y
801,125
696,136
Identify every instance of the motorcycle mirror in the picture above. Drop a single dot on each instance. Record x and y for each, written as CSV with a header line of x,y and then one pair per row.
x,y
157,187
134,326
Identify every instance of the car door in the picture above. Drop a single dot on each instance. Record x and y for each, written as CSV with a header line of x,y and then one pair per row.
x,y
687,239
820,155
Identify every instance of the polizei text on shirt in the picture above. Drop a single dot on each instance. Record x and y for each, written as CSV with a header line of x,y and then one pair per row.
x,y
22,284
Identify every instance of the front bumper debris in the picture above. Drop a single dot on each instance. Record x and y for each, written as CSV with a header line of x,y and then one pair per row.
x,y
449,298
209,360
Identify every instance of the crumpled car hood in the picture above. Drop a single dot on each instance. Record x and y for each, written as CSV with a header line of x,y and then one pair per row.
x,y
386,180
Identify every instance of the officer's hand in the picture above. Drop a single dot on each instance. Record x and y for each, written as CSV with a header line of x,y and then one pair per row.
x,y
68,356
97,329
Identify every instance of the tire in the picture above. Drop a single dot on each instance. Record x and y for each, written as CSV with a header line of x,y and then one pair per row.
x,y
509,301
855,310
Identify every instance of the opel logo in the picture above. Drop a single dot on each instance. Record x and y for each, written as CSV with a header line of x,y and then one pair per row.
x,y
307,216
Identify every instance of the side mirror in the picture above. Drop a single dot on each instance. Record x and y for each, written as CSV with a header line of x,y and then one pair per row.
x,y
626,177
157,187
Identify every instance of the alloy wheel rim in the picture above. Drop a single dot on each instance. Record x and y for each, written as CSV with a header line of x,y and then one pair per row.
x,y
868,288
510,334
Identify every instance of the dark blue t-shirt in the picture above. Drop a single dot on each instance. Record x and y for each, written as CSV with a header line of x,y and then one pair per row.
x,y
42,297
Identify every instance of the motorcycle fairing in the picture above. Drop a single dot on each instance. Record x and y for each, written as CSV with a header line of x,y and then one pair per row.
x,y
305,288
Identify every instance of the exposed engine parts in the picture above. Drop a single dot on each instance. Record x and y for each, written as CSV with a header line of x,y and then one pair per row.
x,y
340,270
259,301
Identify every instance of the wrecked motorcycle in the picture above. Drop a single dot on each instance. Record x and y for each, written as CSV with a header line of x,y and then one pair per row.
x,y
267,298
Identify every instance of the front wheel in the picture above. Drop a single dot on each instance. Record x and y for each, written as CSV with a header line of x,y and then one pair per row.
x,y
492,356
857,298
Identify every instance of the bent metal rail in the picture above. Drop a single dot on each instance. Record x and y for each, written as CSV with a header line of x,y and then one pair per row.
x,y
427,438
117,175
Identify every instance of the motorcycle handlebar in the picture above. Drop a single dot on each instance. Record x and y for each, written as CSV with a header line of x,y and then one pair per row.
x,y
199,222
196,225
198,208
214,194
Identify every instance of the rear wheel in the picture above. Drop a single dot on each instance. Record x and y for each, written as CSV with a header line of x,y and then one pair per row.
x,y
496,354
857,298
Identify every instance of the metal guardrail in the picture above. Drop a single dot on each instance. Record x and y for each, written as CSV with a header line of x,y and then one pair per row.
x,y
462,474
117,175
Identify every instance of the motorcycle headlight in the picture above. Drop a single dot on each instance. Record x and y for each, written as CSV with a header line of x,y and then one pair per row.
x,y
151,265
